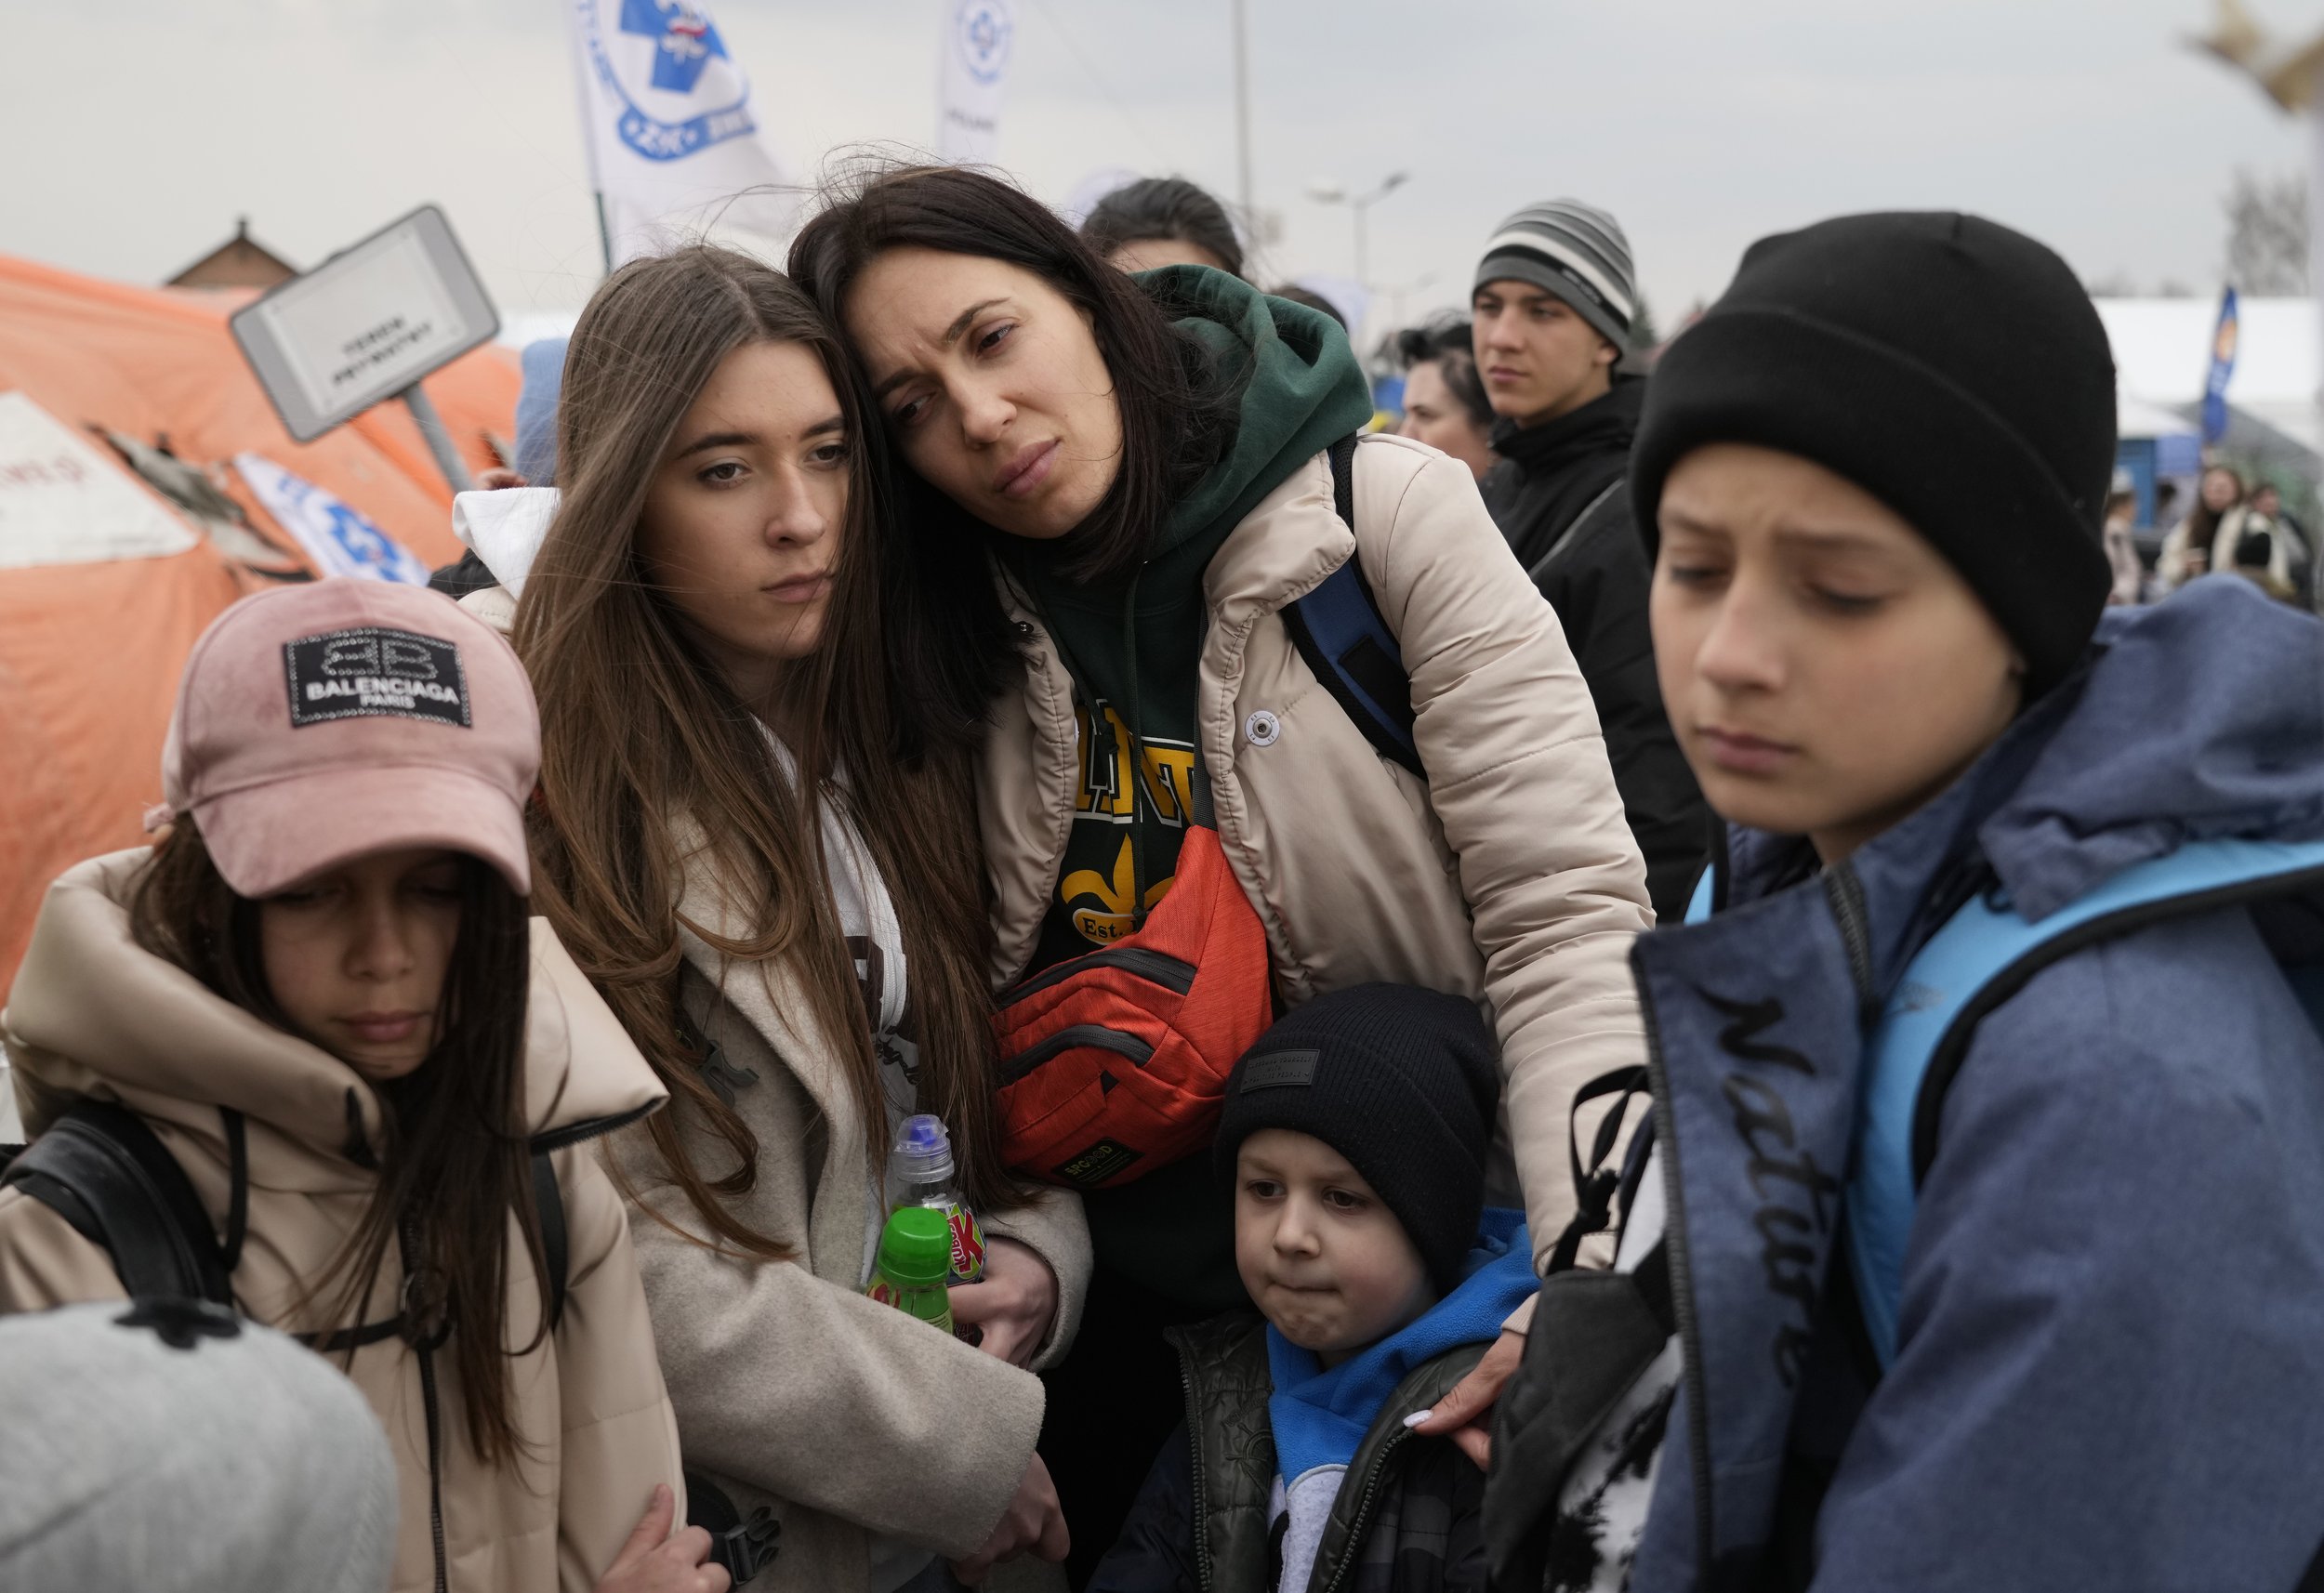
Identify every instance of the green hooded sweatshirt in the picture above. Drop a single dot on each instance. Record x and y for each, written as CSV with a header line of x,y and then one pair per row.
x,y
1134,645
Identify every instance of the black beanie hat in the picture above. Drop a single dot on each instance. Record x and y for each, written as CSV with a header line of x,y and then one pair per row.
x,y
1952,368
1401,1082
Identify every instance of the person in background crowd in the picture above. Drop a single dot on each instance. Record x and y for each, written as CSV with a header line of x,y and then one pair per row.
x,y
1307,298
1163,221
2270,549
170,1447
320,991
1882,671
1147,460
1444,402
2166,503
1553,305
2121,552
2192,546
758,830
1354,1139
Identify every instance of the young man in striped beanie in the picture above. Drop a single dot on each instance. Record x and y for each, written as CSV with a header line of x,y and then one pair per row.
x,y
1554,300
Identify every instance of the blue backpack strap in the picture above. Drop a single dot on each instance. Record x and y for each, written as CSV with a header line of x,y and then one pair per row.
x,y
1984,955
1339,632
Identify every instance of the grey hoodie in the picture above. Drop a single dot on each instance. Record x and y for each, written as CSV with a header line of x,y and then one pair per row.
x,y
171,1448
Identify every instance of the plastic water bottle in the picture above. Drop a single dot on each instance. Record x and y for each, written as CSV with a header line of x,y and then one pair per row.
x,y
914,1258
920,1173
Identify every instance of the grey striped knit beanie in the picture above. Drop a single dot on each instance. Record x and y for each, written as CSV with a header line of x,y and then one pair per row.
x,y
1575,251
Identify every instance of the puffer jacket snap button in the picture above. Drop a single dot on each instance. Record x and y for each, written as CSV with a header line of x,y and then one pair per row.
x,y
1262,728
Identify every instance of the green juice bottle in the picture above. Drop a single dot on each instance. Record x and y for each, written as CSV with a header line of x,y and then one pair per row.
x,y
914,1264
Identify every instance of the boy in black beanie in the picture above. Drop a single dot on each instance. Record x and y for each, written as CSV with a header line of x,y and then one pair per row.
x,y
1356,1131
1989,1118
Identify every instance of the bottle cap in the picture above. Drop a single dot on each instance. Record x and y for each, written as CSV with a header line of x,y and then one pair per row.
x,y
916,1247
924,1151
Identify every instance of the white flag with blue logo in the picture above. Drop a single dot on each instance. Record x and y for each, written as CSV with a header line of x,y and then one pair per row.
x,y
338,539
666,118
980,39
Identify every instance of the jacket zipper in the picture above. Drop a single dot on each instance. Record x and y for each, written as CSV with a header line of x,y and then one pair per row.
x,y
1844,891
1193,1450
1372,1484
1682,1290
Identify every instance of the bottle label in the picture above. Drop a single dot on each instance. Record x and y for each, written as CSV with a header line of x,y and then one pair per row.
x,y
968,1243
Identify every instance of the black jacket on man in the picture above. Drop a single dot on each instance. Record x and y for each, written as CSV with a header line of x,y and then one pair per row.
x,y
1559,496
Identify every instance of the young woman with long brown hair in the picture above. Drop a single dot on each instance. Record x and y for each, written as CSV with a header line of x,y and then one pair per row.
x,y
757,831
319,996
1147,461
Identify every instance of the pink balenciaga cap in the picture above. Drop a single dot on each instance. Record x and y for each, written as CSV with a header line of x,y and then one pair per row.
x,y
320,723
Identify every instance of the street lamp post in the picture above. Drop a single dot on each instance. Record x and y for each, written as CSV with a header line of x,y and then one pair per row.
x,y
1332,193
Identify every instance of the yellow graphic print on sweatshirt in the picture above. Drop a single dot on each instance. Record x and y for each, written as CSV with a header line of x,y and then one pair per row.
x,y
1100,894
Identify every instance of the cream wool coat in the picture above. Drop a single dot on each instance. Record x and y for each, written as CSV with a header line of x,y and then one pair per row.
x,y
794,1390
1509,875
93,1014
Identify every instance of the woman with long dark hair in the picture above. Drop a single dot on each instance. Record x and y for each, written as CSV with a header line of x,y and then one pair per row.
x,y
757,832
1145,460
319,995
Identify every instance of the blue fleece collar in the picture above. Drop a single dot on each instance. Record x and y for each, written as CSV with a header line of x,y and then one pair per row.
x,y
1321,1414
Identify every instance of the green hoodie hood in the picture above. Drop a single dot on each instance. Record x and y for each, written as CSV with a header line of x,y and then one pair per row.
x,y
1301,391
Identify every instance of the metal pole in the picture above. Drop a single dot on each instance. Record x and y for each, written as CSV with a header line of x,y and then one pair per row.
x,y
604,236
439,441
1242,118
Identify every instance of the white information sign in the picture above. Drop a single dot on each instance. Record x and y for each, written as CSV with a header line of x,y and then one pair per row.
x,y
340,540
64,502
366,324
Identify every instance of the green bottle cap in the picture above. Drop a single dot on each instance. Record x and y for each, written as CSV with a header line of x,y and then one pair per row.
x,y
916,1247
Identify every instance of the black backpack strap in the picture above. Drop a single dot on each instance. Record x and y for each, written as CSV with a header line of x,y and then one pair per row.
x,y
100,1168
1347,643
549,1205
744,1546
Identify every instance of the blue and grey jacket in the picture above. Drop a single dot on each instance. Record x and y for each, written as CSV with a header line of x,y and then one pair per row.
x,y
2109,1369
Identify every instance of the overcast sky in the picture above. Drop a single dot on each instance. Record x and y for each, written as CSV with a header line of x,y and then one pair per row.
x,y
135,131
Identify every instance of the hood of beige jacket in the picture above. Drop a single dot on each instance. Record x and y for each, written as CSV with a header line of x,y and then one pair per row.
x,y
93,1013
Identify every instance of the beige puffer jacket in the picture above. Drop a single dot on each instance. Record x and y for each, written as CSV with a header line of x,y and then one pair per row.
x,y
1508,875
793,1390
93,1014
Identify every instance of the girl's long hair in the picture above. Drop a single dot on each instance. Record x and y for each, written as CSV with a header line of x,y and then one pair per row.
x,y
457,1159
639,729
1178,418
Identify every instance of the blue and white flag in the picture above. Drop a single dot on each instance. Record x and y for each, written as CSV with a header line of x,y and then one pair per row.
x,y
667,121
980,39
2223,367
338,538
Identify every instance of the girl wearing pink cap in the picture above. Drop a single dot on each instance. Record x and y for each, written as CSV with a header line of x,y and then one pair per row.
x,y
757,834
319,995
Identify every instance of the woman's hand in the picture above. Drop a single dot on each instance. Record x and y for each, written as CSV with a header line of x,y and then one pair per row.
x,y
654,1561
1033,1522
1465,1415
1013,1308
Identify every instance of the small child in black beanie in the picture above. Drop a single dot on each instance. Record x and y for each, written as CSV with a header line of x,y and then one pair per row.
x,y
1356,1131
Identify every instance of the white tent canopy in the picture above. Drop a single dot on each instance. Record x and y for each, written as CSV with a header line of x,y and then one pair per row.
x,y
2162,355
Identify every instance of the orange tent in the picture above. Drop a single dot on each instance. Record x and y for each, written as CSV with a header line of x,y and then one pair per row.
x,y
91,652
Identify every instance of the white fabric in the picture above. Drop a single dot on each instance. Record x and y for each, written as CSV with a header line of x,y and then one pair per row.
x,y
1308,1501
668,122
978,42
62,502
506,529
340,539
